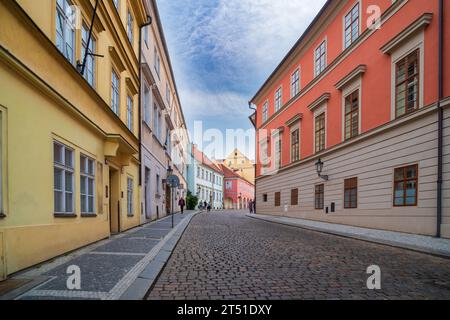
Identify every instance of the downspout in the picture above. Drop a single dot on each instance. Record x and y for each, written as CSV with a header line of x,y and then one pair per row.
x,y
254,109
440,119
149,22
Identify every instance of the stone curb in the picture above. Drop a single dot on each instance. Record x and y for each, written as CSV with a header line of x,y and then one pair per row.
x,y
139,288
392,243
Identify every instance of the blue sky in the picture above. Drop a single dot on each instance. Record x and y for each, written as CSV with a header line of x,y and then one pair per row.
x,y
222,51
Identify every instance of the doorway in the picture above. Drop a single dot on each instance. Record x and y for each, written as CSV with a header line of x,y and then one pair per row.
x,y
148,204
114,200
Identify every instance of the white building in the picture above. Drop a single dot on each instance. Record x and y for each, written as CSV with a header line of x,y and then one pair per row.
x,y
205,179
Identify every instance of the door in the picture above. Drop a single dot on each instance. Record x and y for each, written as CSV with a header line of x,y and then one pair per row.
x,y
114,201
2,259
148,198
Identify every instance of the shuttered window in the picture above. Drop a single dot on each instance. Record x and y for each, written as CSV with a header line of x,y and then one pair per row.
x,y
407,84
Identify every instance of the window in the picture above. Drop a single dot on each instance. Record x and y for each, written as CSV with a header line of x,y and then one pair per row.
x,y
130,27
198,172
130,196
158,186
319,197
407,84
147,104
351,193
130,113
265,113
63,163
65,29
89,71
278,96
405,186
352,115
168,94
278,152
294,197
115,92
87,184
264,153
295,83
156,62
277,199
146,35
155,120
320,62
265,197
295,145
351,28
159,132
320,132
116,4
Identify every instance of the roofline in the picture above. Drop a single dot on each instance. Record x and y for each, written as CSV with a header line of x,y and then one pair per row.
x,y
302,37
163,39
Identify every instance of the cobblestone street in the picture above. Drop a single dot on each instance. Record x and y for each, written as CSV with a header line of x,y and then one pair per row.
x,y
227,255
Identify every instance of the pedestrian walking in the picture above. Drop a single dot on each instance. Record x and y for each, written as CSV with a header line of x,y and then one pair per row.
x,y
181,203
250,206
209,207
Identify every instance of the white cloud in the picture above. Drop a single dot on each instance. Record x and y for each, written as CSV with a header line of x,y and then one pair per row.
x,y
200,104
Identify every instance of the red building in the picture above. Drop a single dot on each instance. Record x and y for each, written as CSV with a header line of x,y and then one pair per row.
x,y
353,126
237,190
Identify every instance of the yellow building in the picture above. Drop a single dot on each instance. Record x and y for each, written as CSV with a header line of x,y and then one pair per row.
x,y
69,142
241,164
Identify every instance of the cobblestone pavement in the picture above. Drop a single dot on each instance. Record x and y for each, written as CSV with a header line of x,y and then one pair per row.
x,y
226,255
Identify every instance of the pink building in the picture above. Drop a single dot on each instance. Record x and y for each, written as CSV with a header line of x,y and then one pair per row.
x,y
237,190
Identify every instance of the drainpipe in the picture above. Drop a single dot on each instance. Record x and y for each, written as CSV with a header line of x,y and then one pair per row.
x,y
149,22
254,109
440,118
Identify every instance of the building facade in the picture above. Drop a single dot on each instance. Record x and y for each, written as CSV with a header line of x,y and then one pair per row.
x,y
164,136
69,140
238,191
205,179
360,92
238,162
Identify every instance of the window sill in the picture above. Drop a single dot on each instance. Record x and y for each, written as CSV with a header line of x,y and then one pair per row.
x,y
89,215
65,215
130,215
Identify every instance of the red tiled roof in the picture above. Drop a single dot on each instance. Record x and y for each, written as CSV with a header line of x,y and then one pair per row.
x,y
203,159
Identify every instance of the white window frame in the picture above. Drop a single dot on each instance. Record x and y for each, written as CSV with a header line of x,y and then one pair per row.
x,y
65,170
291,131
155,120
130,26
115,92
130,113
89,71
62,42
325,56
130,195
147,97
89,179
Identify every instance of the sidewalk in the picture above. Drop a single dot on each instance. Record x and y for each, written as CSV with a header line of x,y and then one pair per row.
x,y
109,268
426,244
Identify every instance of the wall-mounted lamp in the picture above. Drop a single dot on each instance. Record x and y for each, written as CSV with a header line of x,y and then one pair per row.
x,y
319,168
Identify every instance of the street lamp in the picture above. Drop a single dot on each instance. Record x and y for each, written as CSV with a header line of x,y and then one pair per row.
x,y
319,168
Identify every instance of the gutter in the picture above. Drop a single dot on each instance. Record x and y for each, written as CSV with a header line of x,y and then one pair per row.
x,y
256,161
149,22
440,119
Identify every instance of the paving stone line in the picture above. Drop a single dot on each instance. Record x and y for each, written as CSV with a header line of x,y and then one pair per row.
x,y
67,294
133,274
